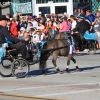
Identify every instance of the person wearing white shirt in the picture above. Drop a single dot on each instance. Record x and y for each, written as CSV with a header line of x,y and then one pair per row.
x,y
39,38
34,22
73,20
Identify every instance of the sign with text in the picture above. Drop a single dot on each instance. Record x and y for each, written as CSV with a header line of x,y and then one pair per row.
x,y
24,8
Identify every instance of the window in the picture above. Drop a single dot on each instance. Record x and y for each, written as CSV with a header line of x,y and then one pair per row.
x,y
54,1
60,9
44,10
21,1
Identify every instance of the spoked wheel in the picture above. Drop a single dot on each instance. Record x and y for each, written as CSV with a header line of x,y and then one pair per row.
x,y
92,48
5,69
20,68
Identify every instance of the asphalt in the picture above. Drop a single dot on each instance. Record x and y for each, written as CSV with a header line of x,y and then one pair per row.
x,y
84,85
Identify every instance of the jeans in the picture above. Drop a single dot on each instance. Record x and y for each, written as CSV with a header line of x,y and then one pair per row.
x,y
69,36
38,45
67,33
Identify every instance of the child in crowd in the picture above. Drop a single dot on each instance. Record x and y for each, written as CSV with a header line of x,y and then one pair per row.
x,y
29,26
21,33
24,35
39,38
33,39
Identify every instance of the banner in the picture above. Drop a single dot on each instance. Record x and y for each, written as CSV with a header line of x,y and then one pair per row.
x,y
24,8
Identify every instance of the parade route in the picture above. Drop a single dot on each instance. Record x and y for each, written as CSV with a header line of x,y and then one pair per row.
x,y
84,85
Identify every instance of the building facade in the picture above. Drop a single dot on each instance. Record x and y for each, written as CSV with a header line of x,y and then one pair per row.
x,y
35,7
52,6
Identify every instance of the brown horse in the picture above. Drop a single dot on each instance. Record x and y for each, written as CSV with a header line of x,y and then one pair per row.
x,y
56,35
54,46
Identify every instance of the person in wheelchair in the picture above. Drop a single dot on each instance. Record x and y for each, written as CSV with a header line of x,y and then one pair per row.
x,y
18,44
78,32
82,25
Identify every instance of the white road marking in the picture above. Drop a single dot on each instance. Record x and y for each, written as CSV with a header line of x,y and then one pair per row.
x,y
49,86
72,92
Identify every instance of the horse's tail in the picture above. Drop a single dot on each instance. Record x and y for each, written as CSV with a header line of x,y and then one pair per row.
x,y
42,65
44,57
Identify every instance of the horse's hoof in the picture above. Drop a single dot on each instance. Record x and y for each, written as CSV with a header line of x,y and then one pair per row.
x,y
78,70
43,72
67,70
58,70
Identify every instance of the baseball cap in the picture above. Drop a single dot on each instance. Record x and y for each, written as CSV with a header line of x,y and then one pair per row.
x,y
22,29
64,17
32,17
81,16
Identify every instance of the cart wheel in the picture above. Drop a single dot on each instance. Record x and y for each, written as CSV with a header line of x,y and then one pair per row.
x,y
92,48
5,69
20,68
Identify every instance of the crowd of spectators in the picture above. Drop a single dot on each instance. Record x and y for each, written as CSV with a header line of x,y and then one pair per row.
x,y
35,28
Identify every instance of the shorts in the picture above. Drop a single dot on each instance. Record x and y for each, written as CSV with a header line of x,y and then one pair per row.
x,y
98,37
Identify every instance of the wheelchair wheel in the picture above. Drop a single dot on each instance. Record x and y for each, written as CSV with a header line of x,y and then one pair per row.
x,y
5,69
92,48
20,68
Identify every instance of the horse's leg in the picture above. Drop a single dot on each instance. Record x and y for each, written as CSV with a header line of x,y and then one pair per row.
x,y
54,61
77,68
68,62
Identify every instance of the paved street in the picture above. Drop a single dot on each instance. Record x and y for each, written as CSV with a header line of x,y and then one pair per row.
x,y
84,85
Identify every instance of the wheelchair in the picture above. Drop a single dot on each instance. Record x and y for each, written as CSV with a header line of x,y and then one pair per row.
x,y
91,41
12,63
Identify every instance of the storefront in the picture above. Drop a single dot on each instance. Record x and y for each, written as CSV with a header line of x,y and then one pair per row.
x,y
23,6
52,6
5,7
48,6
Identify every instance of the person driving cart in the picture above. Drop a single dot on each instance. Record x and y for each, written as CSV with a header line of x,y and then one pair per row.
x,y
18,44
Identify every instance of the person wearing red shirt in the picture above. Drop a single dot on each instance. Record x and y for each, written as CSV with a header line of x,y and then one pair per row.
x,y
49,25
14,28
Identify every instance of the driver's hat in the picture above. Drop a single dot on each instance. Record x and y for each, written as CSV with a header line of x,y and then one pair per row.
x,y
81,16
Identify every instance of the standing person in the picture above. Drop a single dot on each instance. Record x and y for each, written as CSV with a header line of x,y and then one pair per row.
x,y
73,26
65,26
90,16
17,43
75,13
14,28
96,25
73,22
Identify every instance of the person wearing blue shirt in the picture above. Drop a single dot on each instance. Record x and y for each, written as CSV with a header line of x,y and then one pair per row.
x,y
90,16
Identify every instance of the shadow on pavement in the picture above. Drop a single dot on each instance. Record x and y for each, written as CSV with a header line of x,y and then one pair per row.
x,y
52,70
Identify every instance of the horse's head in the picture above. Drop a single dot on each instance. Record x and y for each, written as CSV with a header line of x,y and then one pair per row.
x,y
49,32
